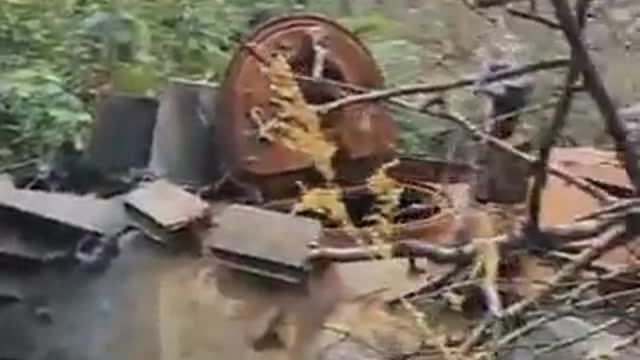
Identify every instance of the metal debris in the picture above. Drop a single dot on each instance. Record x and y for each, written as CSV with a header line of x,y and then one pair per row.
x,y
122,133
264,242
162,209
97,216
183,147
13,247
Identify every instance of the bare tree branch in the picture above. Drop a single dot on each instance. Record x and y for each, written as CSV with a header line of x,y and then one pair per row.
x,y
431,88
557,124
598,92
558,236
582,184
560,312
405,248
533,17
614,236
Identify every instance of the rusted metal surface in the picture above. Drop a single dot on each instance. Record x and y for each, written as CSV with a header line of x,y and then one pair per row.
x,y
264,242
435,223
360,131
122,133
599,166
431,170
183,150
102,217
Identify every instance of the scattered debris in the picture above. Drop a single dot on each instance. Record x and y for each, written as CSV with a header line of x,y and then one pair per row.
x,y
122,133
164,211
270,243
183,149
582,342
85,213
95,253
264,242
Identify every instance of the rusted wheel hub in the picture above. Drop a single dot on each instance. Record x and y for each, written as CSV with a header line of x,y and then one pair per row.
x,y
360,131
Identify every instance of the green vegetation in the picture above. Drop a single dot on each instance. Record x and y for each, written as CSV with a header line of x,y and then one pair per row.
x,y
56,56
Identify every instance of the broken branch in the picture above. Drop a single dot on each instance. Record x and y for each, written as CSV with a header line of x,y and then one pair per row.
x,y
583,185
558,236
406,248
378,95
557,124
598,91
533,17
613,237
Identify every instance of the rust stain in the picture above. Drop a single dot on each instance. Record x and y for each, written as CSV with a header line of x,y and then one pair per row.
x,y
597,165
562,203
244,87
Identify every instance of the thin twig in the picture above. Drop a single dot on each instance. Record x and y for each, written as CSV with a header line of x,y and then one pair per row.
x,y
563,311
431,88
476,11
388,95
582,184
614,236
571,341
405,248
626,342
558,236
533,17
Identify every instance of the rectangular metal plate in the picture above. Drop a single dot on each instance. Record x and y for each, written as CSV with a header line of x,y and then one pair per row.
x,y
167,204
267,240
85,213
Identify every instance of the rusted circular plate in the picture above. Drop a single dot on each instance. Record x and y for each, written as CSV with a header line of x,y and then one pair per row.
x,y
360,131
436,227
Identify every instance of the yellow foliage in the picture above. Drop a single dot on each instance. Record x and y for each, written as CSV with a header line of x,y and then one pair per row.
x,y
296,124
387,192
487,260
325,201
